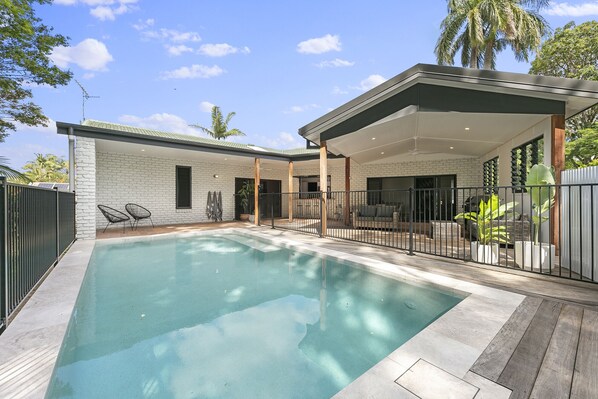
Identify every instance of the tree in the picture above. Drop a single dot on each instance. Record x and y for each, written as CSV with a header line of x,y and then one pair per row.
x,y
25,47
483,28
572,52
48,168
9,172
583,151
219,129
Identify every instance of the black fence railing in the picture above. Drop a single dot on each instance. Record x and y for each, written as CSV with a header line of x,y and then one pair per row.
x,y
540,229
36,226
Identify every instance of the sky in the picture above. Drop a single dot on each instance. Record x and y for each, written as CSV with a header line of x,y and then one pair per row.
x,y
278,64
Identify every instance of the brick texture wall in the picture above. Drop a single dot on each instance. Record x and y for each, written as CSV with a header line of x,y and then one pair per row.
x,y
85,187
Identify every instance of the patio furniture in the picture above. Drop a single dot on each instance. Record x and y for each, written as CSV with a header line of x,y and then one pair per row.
x,y
376,217
445,230
113,216
138,213
518,230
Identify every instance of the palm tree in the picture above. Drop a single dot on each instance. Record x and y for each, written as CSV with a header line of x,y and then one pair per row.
x,y
49,168
219,129
9,172
483,28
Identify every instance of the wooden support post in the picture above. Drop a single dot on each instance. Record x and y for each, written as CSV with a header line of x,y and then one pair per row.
x,y
290,191
324,185
347,209
557,151
256,192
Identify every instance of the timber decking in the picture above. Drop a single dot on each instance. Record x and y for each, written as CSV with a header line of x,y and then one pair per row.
x,y
547,349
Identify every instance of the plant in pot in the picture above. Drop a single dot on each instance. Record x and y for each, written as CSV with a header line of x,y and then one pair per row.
x,y
489,234
540,186
246,192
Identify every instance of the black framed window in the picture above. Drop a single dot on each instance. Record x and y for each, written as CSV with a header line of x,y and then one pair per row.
x,y
523,158
183,187
491,174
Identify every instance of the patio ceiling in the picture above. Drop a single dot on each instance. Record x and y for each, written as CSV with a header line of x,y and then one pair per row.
x,y
433,112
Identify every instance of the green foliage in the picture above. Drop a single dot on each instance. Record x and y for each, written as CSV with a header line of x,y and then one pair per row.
x,y
483,28
583,151
47,168
25,46
246,191
219,129
488,211
541,189
10,173
572,52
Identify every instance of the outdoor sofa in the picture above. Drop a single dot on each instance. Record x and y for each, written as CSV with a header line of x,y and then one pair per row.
x,y
376,217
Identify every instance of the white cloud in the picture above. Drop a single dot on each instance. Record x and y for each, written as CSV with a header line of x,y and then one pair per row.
x,y
337,90
178,49
90,54
370,82
300,108
171,35
193,72
142,25
282,140
206,106
335,63
320,45
161,121
50,128
221,49
103,9
89,75
573,10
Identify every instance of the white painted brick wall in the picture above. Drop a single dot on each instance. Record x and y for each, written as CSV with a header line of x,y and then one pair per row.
x,y
85,187
151,182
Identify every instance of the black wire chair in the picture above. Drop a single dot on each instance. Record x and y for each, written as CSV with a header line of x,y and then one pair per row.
x,y
113,216
138,213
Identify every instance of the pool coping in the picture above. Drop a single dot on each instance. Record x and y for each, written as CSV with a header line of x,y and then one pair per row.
x,y
452,343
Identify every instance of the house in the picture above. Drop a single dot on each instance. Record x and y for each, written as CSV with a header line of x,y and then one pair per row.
x,y
430,126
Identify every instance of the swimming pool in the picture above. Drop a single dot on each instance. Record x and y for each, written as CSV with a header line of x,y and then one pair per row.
x,y
231,316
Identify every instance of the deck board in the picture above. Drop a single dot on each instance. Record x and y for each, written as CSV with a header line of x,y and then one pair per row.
x,y
585,377
522,369
496,356
556,371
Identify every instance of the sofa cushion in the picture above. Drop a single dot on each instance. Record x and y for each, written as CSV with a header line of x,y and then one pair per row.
x,y
383,219
367,210
385,211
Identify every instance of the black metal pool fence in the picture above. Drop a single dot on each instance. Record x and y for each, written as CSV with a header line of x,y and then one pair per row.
x,y
37,225
547,230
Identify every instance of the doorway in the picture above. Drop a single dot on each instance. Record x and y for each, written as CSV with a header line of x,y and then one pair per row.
x,y
267,187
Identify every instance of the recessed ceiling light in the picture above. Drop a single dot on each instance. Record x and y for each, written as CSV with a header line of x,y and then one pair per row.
x,y
466,128
226,159
452,148
373,138
382,153
142,150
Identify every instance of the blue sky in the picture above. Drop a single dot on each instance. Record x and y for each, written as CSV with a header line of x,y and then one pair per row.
x,y
278,65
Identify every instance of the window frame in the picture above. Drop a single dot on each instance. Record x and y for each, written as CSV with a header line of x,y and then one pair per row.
x,y
177,187
520,170
490,174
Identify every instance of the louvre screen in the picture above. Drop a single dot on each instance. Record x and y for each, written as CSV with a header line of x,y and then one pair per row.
x,y
491,174
183,187
522,160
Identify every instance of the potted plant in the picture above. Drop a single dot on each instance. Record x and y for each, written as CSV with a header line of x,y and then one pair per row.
x,y
245,193
489,234
535,255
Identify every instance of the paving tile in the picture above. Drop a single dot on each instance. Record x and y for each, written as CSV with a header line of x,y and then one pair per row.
x,y
488,389
430,382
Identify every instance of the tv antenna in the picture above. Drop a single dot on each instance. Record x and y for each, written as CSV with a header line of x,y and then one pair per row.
x,y
85,96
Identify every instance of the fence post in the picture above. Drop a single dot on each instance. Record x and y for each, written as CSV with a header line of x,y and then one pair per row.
x,y
410,220
57,223
3,254
321,201
272,209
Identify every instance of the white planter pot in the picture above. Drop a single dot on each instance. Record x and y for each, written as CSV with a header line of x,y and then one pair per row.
x,y
536,257
484,253
251,218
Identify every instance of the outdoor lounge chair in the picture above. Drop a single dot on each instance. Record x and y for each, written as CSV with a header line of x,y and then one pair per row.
x,y
113,216
138,213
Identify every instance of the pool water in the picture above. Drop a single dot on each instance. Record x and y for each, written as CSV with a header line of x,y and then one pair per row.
x,y
231,317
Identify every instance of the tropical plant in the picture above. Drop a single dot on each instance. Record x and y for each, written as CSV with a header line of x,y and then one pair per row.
x,y
583,151
219,129
246,191
9,172
25,48
540,185
488,211
48,168
483,28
